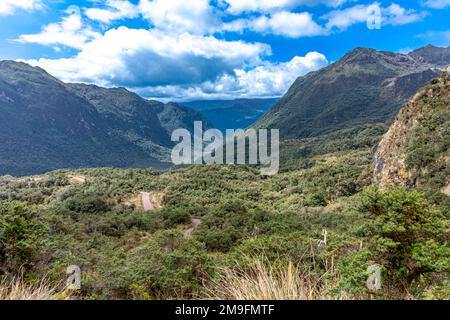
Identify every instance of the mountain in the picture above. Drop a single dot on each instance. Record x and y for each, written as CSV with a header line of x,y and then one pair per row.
x,y
364,87
415,152
125,113
432,55
174,116
232,114
46,124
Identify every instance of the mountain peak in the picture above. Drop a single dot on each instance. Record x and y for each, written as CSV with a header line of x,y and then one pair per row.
x,y
360,51
19,66
14,70
439,56
365,87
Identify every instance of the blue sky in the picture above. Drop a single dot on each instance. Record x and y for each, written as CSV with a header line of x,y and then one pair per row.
x,y
202,49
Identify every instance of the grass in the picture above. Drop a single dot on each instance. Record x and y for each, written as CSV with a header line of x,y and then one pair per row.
x,y
262,281
17,289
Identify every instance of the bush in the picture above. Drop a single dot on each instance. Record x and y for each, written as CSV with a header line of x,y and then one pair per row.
x,y
176,215
20,236
408,234
165,266
87,203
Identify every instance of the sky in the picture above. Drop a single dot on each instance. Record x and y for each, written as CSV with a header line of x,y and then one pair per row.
x,y
209,49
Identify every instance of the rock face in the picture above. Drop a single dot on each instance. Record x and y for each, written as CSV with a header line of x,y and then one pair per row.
x,y
364,87
415,150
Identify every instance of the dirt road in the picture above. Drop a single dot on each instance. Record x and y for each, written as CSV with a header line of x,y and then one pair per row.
x,y
146,202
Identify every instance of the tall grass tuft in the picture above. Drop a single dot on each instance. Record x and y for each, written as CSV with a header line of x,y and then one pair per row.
x,y
17,289
259,281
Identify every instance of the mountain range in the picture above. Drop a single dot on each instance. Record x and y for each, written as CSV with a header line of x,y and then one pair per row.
x,y
364,87
46,124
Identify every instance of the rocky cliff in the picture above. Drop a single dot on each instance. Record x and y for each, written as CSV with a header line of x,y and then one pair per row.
x,y
415,152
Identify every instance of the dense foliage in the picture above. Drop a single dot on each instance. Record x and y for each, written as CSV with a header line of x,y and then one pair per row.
x,y
54,221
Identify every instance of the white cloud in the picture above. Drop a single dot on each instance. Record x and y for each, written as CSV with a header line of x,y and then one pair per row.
x,y
287,24
195,16
436,4
139,57
396,15
267,80
70,32
178,57
240,6
273,79
8,7
296,25
342,19
185,66
115,10
391,15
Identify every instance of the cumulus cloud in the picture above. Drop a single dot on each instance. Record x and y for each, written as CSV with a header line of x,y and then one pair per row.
x,y
140,57
186,66
391,15
115,10
70,32
288,24
240,6
180,56
436,4
195,16
8,7
266,80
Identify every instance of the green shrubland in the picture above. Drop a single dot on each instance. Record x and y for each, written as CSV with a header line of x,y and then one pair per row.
x,y
50,222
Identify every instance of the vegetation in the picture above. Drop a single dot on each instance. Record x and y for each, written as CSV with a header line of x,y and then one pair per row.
x,y
18,289
314,231
261,282
408,236
53,221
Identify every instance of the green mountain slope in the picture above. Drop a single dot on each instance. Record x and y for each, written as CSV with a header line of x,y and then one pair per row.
x,y
46,124
174,116
364,87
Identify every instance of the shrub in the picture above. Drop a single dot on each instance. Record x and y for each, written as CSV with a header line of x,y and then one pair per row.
x,y
20,235
408,234
87,203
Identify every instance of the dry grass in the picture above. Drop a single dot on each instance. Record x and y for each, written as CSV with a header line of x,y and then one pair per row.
x,y
17,289
262,282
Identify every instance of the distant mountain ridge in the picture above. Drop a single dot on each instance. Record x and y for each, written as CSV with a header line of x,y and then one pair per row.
x,y
46,124
364,87
233,114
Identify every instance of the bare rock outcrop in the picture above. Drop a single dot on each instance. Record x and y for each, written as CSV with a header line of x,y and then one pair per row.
x,y
389,166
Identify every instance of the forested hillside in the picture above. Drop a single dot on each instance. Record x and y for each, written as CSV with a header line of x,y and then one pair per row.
x,y
46,124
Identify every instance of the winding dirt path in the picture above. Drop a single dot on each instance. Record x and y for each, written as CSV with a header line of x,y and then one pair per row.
x,y
146,202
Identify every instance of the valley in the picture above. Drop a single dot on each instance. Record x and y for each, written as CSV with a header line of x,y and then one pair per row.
x,y
363,181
